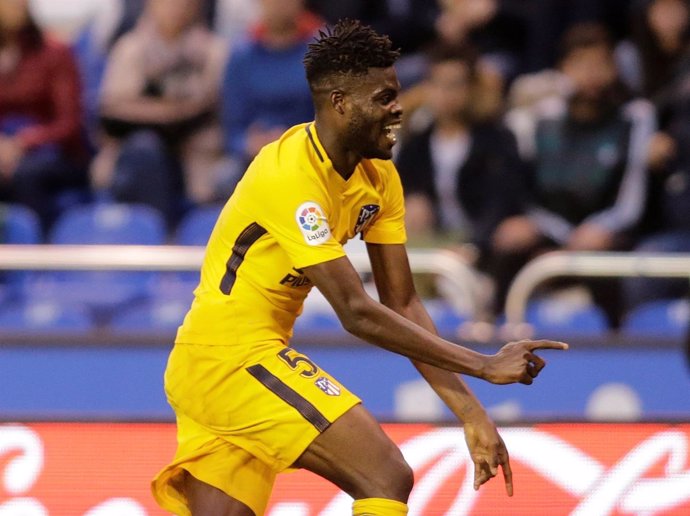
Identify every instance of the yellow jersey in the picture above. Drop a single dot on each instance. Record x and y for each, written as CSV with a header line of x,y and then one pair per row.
x,y
290,210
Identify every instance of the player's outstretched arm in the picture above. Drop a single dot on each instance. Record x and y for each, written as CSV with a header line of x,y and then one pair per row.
x,y
373,322
396,290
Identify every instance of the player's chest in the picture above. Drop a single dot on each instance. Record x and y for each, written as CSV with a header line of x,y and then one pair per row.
x,y
353,212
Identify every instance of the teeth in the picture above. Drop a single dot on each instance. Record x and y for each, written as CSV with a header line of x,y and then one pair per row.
x,y
390,132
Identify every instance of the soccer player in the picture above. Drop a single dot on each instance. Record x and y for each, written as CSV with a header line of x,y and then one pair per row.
x,y
247,405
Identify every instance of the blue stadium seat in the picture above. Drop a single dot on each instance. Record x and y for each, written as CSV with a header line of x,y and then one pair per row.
x,y
101,224
662,318
105,223
555,317
196,226
154,316
18,225
194,229
46,317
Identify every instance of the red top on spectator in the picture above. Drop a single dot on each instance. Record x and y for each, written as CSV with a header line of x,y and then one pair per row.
x,y
45,86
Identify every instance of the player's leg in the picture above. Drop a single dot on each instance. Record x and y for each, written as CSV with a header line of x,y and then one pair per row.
x,y
356,455
205,500
211,476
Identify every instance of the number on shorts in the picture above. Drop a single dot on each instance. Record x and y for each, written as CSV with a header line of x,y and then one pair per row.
x,y
293,359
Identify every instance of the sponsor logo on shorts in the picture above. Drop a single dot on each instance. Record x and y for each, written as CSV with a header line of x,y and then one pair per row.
x,y
367,213
327,386
313,223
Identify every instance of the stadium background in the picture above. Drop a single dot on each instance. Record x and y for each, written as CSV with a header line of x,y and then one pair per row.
x,y
604,431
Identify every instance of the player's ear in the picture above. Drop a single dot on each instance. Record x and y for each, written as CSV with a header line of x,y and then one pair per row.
x,y
337,98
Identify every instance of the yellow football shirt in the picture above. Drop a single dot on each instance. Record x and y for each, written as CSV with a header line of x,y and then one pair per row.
x,y
290,210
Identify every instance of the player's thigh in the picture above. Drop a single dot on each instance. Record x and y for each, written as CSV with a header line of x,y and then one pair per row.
x,y
206,500
355,454
208,470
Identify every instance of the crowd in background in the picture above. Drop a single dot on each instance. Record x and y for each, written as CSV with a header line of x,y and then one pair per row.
x,y
531,125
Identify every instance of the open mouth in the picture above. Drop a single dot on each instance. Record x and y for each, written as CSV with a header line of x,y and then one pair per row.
x,y
391,132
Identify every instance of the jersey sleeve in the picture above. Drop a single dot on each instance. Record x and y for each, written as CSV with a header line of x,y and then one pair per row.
x,y
389,225
298,218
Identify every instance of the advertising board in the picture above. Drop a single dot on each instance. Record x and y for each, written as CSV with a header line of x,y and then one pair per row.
x,y
103,469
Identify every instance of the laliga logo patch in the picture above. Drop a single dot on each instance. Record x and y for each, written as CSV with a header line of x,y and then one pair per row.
x,y
312,223
327,386
366,216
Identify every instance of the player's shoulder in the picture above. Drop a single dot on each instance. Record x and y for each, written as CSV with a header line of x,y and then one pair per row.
x,y
285,160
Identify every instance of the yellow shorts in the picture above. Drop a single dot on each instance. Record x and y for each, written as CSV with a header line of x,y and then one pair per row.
x,y
244,414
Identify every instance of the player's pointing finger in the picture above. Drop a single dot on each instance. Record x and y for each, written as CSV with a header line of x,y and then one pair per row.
x,y
546,344
507,476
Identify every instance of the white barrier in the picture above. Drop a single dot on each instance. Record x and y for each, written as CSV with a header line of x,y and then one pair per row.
x,y
463,290
581,264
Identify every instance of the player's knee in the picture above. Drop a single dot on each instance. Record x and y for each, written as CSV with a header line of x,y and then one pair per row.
x,y
394,480
403,480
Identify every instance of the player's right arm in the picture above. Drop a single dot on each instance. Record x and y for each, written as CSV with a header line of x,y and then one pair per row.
x,y
373,322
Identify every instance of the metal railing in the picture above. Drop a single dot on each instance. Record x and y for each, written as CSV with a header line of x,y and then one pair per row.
x,y
462,287
463,290
581,264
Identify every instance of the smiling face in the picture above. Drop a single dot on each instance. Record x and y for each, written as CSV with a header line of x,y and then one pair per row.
x,y
371,113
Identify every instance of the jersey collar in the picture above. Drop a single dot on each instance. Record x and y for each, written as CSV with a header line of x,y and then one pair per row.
x,y
315,143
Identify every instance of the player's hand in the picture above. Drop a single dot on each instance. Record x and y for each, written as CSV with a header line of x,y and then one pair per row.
x,y
516,361
488,452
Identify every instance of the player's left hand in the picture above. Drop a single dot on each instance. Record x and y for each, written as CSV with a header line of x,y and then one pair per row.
x,y
488,452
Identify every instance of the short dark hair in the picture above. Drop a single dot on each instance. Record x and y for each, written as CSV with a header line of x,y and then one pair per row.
x,y
442,52
348,48
584,35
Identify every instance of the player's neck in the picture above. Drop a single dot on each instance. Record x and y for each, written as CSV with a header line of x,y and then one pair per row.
x,y
344,161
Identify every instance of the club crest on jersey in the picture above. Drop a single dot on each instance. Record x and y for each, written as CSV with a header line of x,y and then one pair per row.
x,y
366,215
312,223
327,386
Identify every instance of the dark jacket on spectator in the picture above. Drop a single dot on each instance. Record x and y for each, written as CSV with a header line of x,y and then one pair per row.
x,y
490,181
591,173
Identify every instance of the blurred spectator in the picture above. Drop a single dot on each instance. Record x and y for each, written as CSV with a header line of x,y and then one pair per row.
x,y
93,44
158,107
491,26
660,36
479,25
409,23
547,21
668,216
664,57
462,177
589,153
264,90
232,18
41,145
